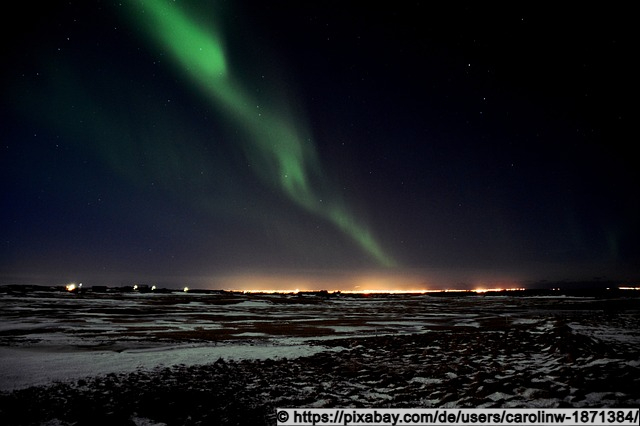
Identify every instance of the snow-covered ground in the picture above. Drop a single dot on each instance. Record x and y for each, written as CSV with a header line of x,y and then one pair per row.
x,y
270,351
46,337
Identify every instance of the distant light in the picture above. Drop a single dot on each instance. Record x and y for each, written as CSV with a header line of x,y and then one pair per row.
x,y
484,290
379,291
70,287
135,287
629,288
186,289
153,288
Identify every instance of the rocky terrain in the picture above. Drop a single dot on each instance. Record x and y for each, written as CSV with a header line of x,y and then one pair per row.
x,y
473,352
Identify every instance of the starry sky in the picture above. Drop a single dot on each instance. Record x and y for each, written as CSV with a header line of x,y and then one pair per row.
x,y
310,145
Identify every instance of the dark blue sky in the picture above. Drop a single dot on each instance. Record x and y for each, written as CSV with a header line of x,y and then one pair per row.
x,y
467,144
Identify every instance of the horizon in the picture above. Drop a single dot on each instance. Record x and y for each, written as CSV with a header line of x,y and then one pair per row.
x,y
326,287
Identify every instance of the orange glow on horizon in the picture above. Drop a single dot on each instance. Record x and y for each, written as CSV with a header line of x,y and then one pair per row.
x,y
375,282
382,291
485,290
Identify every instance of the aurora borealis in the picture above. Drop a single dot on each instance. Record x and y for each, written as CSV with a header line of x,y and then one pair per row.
x,y
210,143
281,154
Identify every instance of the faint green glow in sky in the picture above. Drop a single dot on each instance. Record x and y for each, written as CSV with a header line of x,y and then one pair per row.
x,y
283,158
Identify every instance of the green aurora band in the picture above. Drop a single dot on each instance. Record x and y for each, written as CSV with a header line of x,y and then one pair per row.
x,y
283,158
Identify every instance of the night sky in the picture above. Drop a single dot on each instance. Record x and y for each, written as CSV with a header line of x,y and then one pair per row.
x,y
318,145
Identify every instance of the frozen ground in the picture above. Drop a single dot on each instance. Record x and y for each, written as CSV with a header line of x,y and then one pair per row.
x,y
231,358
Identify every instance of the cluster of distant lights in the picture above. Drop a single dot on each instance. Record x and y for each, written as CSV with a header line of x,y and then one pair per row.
x,y
73,287
77,287
418,291
379,291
